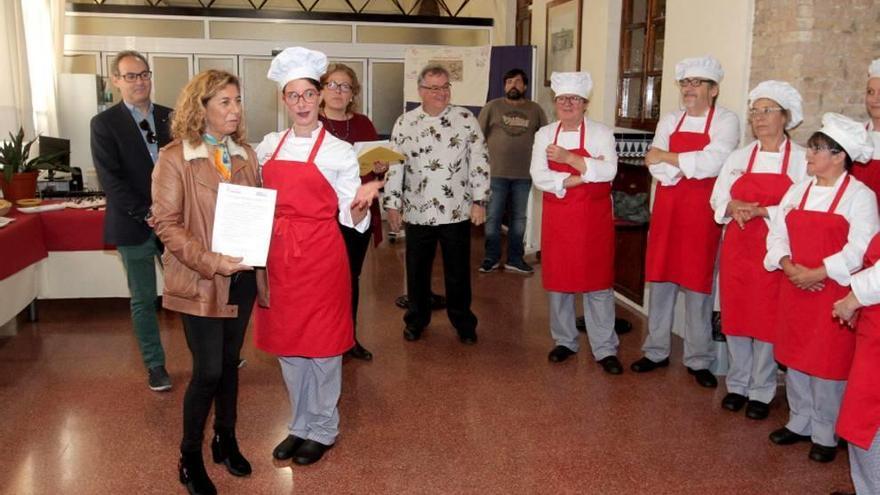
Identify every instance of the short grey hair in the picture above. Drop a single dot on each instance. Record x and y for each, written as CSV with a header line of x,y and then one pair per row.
x,y
114,65
432,70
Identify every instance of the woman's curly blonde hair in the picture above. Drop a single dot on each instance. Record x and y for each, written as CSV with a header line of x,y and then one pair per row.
x,y
189,119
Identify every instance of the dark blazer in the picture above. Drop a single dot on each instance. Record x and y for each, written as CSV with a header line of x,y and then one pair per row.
x,y
124,168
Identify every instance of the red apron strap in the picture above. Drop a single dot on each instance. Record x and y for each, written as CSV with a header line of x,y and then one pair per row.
x,y
556,136
785,157
583,134
317,145
839,194
805,196
709,119
280,143
681,121
752,158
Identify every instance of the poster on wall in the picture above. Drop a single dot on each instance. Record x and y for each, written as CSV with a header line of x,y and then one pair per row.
x,y
563,43
468,72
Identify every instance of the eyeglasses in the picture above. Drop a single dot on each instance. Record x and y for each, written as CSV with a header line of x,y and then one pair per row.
x,y
132,77
815,148
438,89
145,126
568,99
336,86
766,111
694,83
308,96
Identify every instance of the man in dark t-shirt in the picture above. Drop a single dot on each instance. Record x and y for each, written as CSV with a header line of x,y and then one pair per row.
x,y
509,125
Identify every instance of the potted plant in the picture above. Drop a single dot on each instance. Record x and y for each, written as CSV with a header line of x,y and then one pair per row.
x,y
19,178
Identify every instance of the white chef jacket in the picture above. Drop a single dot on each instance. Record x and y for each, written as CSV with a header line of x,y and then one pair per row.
x,y
598,141
336,160
724,135
858,206
766,162
875,138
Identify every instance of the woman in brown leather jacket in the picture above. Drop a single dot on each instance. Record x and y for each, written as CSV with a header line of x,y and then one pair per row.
x,y
213,292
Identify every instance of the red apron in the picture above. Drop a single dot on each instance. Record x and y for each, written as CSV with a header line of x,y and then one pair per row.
x,y
859,417
810,339
683,237
309,281
749,292
868,173
577,233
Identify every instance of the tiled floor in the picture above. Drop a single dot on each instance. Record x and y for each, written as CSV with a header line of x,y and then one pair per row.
x,y
432,416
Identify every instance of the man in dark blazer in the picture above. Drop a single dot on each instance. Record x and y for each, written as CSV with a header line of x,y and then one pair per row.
x,y
125,140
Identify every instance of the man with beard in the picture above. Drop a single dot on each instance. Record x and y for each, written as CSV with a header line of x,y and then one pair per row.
x,y
509,124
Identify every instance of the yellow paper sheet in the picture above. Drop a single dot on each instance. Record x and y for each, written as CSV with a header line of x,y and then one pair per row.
x,y
377,154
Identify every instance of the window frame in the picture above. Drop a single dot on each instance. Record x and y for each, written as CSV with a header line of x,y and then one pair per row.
x,y
647,72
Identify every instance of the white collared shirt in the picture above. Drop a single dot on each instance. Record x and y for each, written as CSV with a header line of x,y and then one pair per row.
x,y
598,141
336,160
704,164
765,163
858,206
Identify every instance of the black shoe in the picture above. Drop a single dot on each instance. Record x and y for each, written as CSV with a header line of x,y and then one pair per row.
x,y
158,379
757,410
310,452
611,365
360,352
580,323
784,436
224,449
704,377
821,453
287,447
734,402
468,338
412,333
191,470
622,326
644,365
560,353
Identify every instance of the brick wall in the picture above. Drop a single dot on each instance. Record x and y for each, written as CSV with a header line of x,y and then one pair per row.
x,y
821,47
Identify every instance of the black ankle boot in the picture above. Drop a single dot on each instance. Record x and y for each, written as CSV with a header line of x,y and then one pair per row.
x,y
224,447
192,474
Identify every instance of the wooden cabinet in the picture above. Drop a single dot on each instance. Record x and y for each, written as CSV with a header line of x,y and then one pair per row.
x,y
632,238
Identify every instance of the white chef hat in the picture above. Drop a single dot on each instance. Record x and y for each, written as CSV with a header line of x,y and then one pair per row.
x,y
297,63
706,67
850,134
874,69
785,95
571,83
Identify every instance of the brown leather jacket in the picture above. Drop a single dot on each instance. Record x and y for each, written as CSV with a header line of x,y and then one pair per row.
x,y
185,186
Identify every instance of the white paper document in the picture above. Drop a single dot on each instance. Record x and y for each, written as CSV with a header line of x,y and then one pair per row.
x,y
243,222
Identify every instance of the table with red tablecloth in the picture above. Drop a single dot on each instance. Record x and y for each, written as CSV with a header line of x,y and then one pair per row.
x,y
21,243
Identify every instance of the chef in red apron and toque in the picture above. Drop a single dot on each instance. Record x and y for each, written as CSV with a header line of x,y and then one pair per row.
x,y
574,161
868,171
688,150
818,240
859,420
745,198
308,321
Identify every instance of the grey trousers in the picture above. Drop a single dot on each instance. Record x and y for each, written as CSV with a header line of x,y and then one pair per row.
x,y
698,353
864,467
814,404
598,315
313,386
752,371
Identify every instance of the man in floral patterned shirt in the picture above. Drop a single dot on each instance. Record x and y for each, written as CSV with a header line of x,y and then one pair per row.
x,y
441,188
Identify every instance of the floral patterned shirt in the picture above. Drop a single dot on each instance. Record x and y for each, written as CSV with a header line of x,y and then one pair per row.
x,y
446,167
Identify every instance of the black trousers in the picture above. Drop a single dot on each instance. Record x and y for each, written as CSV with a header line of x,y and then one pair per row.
x,y
215,344
356,244
455,247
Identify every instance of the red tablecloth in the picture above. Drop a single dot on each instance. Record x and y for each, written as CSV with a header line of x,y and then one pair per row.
x,y
21,243
74,230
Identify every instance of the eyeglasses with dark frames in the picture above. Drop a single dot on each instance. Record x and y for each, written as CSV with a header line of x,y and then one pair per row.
x,y
438,89
815,148
132,77
338,86
766,111
693,83
151,136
